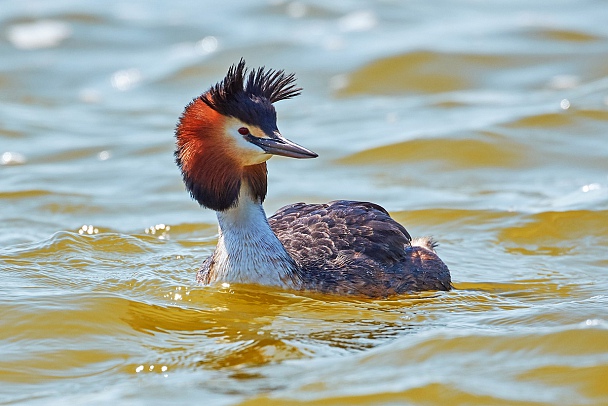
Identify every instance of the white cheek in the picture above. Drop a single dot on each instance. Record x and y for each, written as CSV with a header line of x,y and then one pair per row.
x,y
250,153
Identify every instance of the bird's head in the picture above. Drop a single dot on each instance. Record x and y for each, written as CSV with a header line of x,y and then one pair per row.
x,y
225,136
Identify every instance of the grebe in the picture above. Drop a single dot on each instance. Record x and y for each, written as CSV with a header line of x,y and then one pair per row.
x,y
223,139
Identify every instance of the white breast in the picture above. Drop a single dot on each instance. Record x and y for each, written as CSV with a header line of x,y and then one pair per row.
x,y
247,250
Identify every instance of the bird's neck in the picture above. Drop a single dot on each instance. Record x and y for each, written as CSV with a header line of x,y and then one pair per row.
x,y
247,250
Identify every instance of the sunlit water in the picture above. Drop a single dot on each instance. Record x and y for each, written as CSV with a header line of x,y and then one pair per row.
x,y
484,124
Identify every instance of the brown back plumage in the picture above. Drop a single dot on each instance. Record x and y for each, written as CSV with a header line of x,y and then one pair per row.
x,y
349,247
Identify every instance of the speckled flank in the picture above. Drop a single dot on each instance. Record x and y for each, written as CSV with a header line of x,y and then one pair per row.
x,y
351,247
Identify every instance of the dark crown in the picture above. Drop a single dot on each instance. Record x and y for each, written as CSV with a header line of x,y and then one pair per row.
x,y
263,86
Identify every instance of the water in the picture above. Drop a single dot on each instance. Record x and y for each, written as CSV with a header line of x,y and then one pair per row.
x,y
482,124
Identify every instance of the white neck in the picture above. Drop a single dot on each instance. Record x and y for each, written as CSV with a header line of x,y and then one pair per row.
x,y
247,250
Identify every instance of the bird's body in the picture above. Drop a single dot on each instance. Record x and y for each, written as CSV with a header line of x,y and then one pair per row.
x,y
224,138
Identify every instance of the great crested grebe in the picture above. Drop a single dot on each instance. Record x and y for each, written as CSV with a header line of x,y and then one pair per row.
x,y
223,139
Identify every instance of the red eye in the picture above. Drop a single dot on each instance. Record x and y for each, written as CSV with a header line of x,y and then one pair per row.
x,y
243,130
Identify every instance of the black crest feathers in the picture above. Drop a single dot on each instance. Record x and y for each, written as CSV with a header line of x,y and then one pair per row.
x,y
272,85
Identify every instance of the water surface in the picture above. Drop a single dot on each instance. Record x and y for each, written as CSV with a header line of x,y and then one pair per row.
x,y
482,124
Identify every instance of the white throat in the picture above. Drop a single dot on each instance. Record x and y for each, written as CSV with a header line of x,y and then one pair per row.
x,y
247,249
